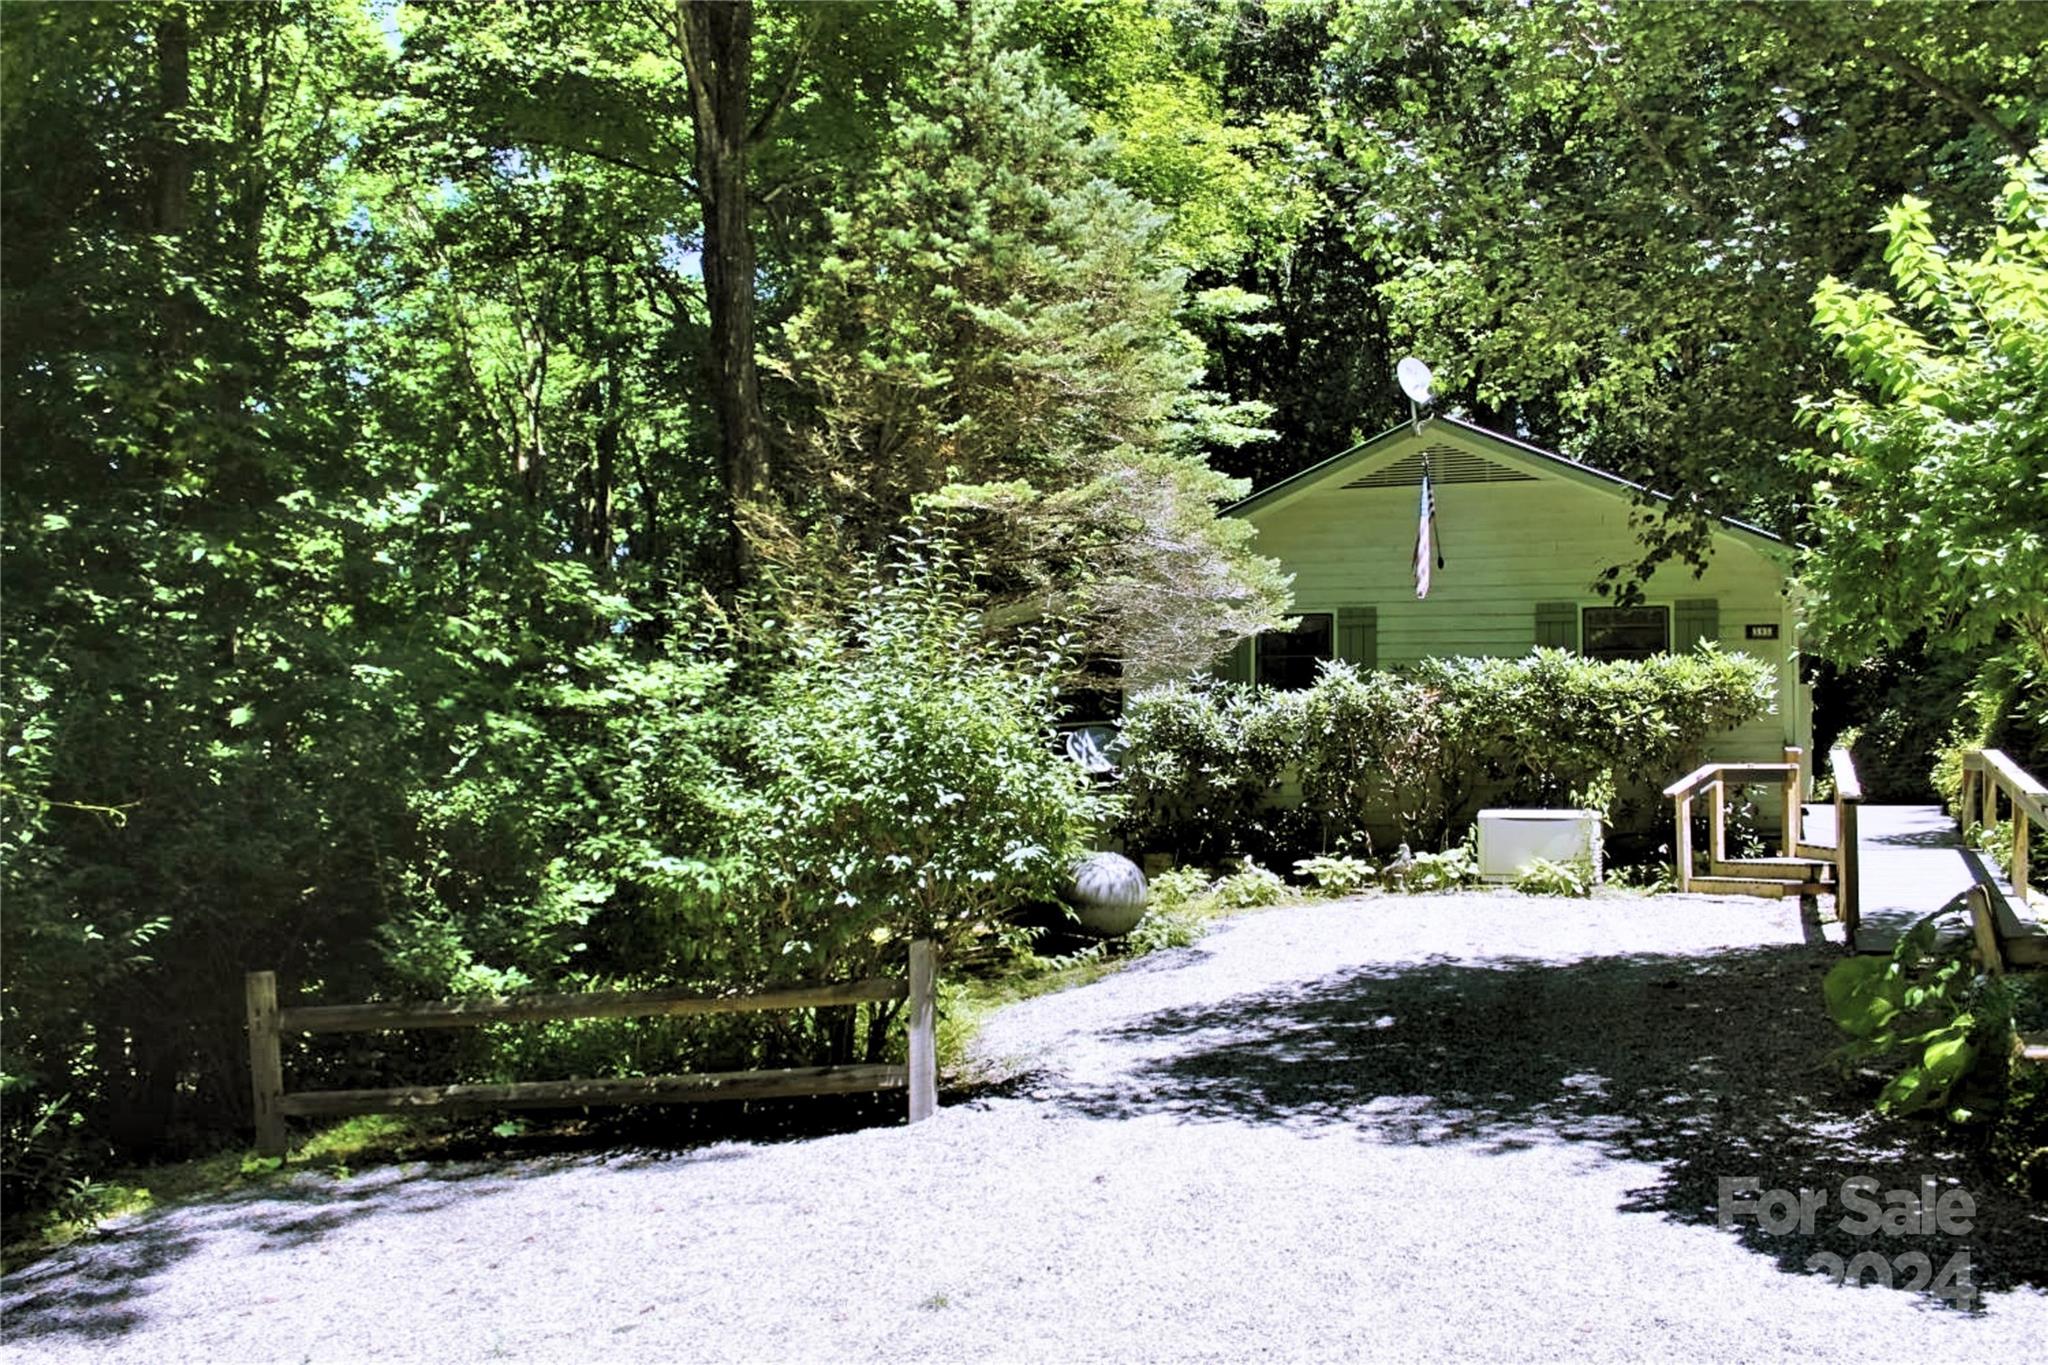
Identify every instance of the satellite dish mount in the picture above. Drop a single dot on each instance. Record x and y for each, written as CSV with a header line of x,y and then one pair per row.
x,y
1415,381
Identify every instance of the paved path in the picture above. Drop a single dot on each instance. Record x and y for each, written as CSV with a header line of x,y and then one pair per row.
x,y
1467,1128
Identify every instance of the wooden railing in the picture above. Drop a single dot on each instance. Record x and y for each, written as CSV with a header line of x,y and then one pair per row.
x,y
1986,773
1713,781
2002,936
273,1104
1798,860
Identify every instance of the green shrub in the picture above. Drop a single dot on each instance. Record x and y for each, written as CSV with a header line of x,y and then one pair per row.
x,y
1446,871
1250,888
2006,708
1417,754
1198,762
1926,1003
1164,927
1557,730
1646,879
1177,886
1337,874
889,778
1365,742
1948,1030
1542,877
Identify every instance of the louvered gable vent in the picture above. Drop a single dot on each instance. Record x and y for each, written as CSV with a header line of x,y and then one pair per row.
x,y
1447,465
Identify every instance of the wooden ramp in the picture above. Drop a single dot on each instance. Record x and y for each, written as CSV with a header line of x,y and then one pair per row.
x,y
1885,867
1913,862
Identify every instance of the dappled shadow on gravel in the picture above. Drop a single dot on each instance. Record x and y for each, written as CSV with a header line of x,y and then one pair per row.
x,y
1710,1066
93,1299
98,1289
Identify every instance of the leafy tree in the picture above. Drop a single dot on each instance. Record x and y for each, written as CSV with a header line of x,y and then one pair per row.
x,y
1932,512
171,652
996,333
912,785
1602,222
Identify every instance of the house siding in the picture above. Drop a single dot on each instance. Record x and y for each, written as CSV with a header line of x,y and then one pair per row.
x,y
1508,547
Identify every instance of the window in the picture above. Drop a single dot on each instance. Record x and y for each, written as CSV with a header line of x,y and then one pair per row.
x,y
1625,632
1288,658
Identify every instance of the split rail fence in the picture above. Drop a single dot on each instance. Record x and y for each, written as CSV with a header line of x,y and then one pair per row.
x,y
274,1104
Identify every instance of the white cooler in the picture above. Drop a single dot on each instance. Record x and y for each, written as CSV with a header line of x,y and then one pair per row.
x,y
1509,840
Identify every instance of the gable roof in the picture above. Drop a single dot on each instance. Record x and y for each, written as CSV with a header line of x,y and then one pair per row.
x,y
1450,465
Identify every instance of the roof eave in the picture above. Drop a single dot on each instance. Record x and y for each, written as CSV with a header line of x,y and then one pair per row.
x,y
1765,541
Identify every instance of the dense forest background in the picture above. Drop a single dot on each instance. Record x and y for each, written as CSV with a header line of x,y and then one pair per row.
x,y
494,491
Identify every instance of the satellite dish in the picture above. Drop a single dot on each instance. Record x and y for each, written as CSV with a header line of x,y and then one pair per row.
x,y
1414,377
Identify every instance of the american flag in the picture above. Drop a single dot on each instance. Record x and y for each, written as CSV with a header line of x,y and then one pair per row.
x,y
1427,555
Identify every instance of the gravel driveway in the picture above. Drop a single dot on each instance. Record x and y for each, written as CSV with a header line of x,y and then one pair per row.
x,y
1472,1128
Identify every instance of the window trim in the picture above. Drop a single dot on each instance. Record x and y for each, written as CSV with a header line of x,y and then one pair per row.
x,y
1665,610
1259,647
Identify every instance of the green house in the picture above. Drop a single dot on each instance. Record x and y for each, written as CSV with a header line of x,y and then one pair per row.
x,y
1523,535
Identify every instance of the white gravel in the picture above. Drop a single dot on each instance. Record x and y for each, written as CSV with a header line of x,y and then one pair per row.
x,y
1463,1128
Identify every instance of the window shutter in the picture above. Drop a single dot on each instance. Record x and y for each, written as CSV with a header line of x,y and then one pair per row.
x,y
1358,636
1694,619
1236,666
1557,626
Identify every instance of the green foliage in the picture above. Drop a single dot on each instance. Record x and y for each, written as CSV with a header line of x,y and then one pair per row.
x,y
1371,742
2004,708
360,512
2018,1146
2018,1141
1555,729
1927,1003
1251,887
1900,710
1415,755
1198,761
910,783
1653,879
1338,874
1165,927
1542,877
1177,886
1444,871
1604,222
995,333
1931,511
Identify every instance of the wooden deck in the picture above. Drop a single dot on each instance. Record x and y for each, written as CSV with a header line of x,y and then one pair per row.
x,y
1913,864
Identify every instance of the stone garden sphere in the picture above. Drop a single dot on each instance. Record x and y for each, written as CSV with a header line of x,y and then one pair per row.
x,y
1107,892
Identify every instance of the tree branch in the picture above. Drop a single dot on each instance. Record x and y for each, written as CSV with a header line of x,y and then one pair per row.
x,y
1635,120
786,92
1905,66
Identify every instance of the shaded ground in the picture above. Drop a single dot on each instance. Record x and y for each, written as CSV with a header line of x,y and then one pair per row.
x,y
1504,1055
1479,1127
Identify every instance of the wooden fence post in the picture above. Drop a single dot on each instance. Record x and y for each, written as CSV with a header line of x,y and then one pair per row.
x,y
924,1053
1848,875
1795,795
2020,890
1681,846
1717,824
1984,927
266,1063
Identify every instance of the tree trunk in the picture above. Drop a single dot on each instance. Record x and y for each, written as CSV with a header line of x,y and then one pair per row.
x,y
173,188
717,48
